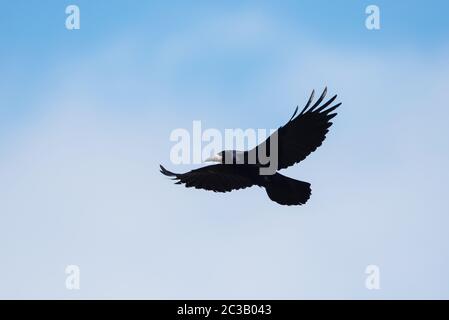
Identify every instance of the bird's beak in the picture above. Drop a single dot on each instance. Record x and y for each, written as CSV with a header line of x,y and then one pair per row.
x,y
216,158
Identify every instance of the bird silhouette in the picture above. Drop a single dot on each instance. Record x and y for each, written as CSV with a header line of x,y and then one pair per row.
x,y
291,143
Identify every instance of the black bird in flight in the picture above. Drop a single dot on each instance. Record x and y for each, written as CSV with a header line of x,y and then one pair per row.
x,y
299,137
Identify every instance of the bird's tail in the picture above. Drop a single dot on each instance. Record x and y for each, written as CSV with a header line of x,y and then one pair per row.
x,y
287,191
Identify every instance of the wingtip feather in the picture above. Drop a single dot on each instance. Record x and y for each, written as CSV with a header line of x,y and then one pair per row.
x,y
166,172
308,102
294,113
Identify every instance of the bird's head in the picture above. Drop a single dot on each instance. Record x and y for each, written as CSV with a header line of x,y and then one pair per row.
x,y
226,156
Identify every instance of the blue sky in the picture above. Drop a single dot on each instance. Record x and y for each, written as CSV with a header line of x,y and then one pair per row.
x,y
85,119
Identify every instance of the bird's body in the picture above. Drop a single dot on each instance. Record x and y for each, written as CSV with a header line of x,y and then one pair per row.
x,y
291,144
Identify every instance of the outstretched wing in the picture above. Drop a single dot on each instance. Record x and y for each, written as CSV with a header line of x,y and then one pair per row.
x,y
302,134
217,178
